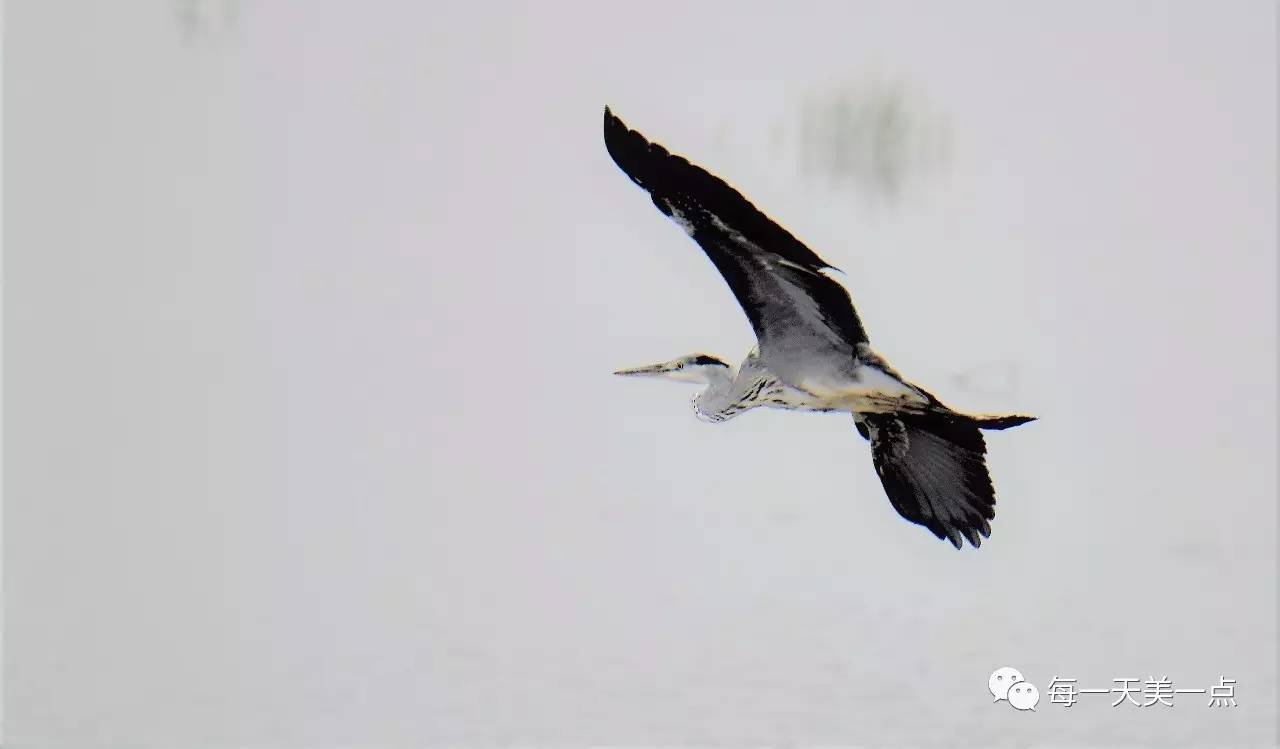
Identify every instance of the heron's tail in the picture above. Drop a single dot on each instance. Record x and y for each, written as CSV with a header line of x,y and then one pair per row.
x,y
981,421
985,421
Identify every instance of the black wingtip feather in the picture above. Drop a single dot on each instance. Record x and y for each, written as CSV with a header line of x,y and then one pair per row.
x,y
665,174
709,204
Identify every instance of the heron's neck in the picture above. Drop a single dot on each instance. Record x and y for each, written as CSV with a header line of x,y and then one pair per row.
x,y
720,399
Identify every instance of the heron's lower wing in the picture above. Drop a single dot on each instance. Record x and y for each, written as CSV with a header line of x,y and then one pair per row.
x,y
795,309
934,470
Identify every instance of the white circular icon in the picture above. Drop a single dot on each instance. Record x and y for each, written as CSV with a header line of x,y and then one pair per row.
x,y
1024,696
1001,679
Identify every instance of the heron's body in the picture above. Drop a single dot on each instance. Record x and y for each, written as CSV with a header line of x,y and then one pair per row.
x,y
867,389
813,353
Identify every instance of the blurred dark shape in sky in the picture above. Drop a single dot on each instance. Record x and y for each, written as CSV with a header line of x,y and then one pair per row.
x,y
206,19
876,137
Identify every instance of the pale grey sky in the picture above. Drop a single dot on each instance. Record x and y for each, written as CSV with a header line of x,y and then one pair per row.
x,y
311,439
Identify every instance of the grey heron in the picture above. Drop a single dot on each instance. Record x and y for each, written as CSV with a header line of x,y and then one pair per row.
x,y
812,353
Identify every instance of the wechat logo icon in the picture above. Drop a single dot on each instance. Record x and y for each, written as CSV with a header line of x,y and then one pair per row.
x,y
1006,683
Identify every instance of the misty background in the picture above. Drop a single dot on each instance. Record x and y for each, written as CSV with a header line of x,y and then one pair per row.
x,y
310,434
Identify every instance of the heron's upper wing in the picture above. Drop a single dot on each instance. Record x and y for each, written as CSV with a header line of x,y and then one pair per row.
x,y
933,469
794,308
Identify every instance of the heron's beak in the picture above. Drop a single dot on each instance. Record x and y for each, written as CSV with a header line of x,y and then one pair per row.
x,y
651,370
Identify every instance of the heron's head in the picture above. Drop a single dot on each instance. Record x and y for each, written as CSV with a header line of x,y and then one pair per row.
x,y
700,368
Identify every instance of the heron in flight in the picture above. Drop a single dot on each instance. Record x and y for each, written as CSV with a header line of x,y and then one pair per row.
x,y
812,353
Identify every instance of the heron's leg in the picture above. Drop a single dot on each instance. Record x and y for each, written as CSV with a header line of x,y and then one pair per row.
x,y
861,426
